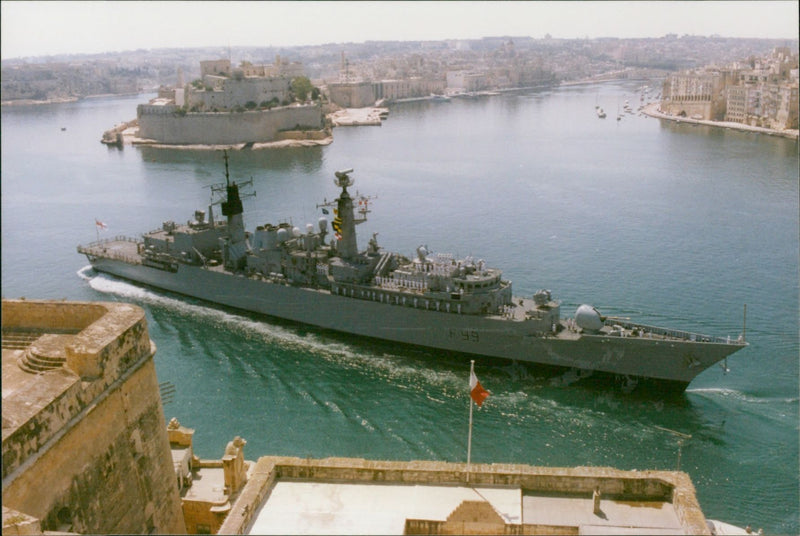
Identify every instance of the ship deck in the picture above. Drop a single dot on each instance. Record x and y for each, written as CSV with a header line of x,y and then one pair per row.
x,y
127,249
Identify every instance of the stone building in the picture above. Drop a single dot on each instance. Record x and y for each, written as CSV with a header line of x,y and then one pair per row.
x,y
696,95
466,81
84,444
353,94
215,67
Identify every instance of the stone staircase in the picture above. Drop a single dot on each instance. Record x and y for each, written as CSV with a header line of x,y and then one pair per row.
x,y
42,351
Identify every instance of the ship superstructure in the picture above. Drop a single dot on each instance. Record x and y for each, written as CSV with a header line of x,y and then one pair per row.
x,y
318,276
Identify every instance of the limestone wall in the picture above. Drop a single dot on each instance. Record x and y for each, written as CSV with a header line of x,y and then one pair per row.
x,y
222,128
95,458
36,315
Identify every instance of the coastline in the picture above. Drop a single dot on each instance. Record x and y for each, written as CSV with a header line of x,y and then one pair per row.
x,y
652,110
233,147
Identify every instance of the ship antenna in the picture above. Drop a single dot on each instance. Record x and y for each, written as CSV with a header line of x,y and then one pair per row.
x,y
744,324
227,178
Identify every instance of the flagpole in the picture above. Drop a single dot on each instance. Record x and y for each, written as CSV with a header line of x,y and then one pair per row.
x,y
469,435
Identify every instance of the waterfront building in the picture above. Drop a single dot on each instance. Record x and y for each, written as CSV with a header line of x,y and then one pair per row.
x,y
466,81
696,95
761,93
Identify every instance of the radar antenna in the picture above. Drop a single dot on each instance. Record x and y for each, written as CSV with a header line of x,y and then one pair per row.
x,y
343,179
220,191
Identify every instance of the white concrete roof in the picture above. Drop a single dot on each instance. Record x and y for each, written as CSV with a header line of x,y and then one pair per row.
x,y
335,508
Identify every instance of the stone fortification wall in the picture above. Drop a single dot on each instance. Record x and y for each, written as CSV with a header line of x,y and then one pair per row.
x,y
223,128
84,445
353,95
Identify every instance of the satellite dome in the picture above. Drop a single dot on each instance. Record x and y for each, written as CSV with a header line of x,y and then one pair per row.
x,y
323,224
587,317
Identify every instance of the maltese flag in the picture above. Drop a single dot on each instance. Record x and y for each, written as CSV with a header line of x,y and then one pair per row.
x,y
476,390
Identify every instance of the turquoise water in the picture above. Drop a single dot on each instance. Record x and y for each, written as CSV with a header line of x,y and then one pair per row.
x,y
671,224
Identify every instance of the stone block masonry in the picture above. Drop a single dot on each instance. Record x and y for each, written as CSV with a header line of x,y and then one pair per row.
x,y
159,124
84,443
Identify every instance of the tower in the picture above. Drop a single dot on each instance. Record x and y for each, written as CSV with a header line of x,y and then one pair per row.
x,y
344,223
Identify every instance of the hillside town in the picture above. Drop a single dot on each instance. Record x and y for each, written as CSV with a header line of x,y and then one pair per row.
x,y
746,81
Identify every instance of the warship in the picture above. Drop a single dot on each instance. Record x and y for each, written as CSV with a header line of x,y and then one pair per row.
x,y
318,276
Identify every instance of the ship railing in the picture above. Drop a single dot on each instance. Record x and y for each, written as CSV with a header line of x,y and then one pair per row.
x,y
98,249
118,238
668,333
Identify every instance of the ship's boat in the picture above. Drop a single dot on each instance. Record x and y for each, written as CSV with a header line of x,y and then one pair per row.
x,y
318,276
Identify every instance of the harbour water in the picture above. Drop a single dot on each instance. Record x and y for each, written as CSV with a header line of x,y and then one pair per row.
x,y
670,224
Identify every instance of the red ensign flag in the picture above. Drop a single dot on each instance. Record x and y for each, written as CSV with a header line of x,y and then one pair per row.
x,y
476,390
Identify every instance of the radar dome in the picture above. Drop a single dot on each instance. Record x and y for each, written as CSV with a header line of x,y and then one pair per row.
x,y
323,224
283,235
296,231
587,317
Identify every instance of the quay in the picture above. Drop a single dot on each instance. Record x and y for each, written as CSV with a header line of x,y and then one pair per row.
x,y
350,117
653,110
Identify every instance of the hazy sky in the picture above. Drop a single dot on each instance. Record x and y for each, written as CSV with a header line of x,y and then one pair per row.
x,y
43,28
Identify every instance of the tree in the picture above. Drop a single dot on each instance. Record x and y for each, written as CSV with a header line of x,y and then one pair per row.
x,y
301,87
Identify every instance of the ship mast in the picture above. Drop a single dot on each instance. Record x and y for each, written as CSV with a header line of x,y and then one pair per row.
x,y
236,246
344,223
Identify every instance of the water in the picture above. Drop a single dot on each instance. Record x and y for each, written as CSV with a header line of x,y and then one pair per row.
x,y
671,224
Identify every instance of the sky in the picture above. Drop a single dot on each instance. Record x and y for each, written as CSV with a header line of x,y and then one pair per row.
x,y
31,28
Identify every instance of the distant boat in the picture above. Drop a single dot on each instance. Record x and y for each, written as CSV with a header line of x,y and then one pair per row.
x,y
600,113
63,129
439,98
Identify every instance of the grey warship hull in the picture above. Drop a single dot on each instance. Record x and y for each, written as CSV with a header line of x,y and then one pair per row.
x,y
434,300
671,356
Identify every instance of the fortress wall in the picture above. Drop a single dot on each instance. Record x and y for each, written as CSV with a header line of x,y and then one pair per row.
x,y
34,315
111,472
84,444
109,341
220,128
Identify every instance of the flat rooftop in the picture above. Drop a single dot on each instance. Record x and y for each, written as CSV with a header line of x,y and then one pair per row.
x,y
356,496
342,508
